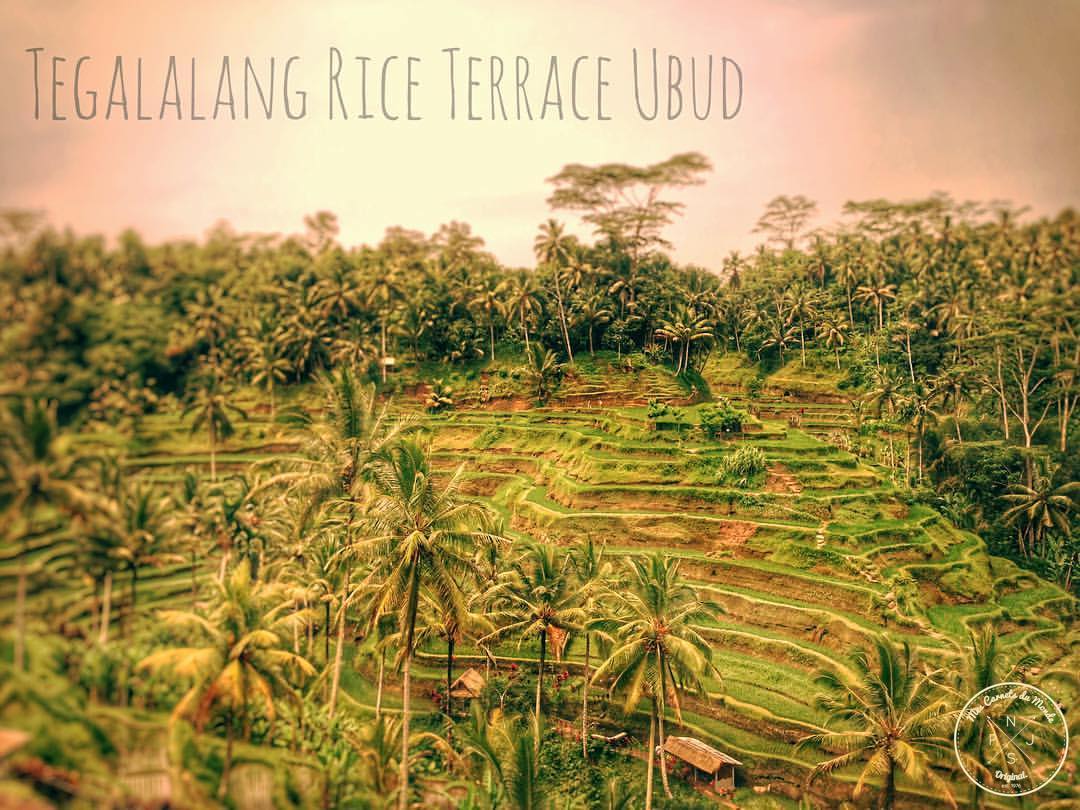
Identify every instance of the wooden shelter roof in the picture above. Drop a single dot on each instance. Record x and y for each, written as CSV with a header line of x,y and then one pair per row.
x,y
470,684
701,755
11,740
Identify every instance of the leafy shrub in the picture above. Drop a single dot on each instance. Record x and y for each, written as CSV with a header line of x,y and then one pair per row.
x,y
440,397
722,418
742,467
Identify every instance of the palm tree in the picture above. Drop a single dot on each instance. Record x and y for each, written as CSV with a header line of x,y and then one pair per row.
x,y
894,716
777,336
522,297
985,664
134,517
486,300
801,305
954,383
553,248
241,662
1040,508
37,472
265,360
657,647
877,294
424,538
212,409
593,314
337,295
537,599
384,289
683,329
834,332
544,369
188,524
446,623
591,573
509,756
337,469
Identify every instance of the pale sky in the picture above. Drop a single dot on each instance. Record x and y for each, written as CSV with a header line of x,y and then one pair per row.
x,y
842,100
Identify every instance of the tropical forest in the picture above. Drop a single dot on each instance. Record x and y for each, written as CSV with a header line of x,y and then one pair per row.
x,y
290,523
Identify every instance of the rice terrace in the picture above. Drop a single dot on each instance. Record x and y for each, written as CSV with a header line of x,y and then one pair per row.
x,y
293,524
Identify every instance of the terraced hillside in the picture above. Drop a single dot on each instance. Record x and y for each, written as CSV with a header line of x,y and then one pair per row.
x,y
809,562
818,560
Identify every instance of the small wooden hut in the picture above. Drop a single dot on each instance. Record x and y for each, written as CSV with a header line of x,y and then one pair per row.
x,y
469,685
704,759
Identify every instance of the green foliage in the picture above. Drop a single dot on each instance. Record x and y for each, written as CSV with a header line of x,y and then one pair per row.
x,y
742,467
722,418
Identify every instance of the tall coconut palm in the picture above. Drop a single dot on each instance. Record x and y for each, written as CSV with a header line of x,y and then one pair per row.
x,y
543,370
877,294
554,248
592,573
336,471
801,303
537,599
448,624
592,313
834,332
241,662
38,472
213,411
657,648
955,384
265,361
384,290
985,663
1040,508
424,538
895,717
522,297
684,329
486,300
134,516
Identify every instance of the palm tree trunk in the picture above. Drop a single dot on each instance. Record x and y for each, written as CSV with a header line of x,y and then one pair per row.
x,y
326,632
802,343
213,451
660,732
134,595
194,579
449,673
524,328
585,704
383,345
888,796
106,608
379,688
226,768
340,651
20,620
403,778
491,335
650,755
540,672
562,318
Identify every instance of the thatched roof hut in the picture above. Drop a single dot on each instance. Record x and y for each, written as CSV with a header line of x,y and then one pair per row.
x,y
470,684
704,758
